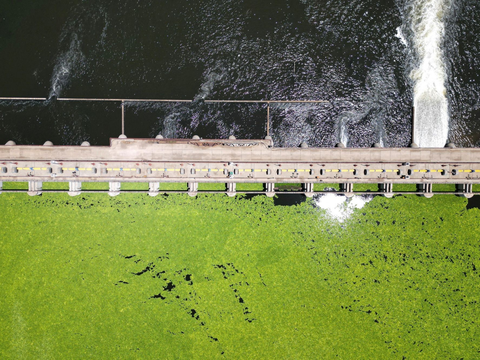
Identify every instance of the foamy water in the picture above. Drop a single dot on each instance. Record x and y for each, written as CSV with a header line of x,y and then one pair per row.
x,y
339,207
66,65
430,100
399,35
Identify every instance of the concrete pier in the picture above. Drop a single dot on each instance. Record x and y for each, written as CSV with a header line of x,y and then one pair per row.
x,y
233,161
308,189
270,189
153,188
426,189
231,189
465,190
192,188
347,189
114,188
74,188
387,189
35,188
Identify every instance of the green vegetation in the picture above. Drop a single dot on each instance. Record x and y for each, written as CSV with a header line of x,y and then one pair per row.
x,y
288,187
214,277
135,186
444,187
15,185
249,187
53,185
211,187
174,186
405,187
324,187
95,185
365,187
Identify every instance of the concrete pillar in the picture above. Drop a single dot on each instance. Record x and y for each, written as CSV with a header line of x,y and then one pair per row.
x,y
34,188
114,188
270,189
74,188
268,137
153,188
231,189
426,189
192,188
465,190
308,188
387,189
347,189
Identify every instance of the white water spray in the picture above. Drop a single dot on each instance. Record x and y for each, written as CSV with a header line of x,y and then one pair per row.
x,y
343,131
430,95
339,207
170,125
399,35
207,86
66,65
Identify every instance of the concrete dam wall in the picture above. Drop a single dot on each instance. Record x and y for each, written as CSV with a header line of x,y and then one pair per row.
x,y
232,161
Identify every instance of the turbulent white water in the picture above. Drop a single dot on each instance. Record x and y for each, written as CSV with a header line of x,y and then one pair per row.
x,y
399,35
66,64
339,207
210,79
430,100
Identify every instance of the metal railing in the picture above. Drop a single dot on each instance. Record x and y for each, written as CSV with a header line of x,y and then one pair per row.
x,y
206,101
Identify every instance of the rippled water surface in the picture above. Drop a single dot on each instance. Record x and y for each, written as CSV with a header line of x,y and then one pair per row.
x,y
361,56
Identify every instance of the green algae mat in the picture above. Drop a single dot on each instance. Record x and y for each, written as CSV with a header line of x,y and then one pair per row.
x,y
134,277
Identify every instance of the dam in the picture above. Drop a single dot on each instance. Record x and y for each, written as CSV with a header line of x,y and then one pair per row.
x,y
232,161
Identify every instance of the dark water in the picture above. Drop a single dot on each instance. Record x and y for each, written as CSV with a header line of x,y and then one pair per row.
x,y
345,52
473,202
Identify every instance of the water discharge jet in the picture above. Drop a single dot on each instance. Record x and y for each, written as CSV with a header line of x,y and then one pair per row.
x,y
339,207
430,101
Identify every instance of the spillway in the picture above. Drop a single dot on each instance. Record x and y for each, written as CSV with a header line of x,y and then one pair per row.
x,y
431,118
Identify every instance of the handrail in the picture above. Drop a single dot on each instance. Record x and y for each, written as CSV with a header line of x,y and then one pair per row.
x,y
23,98
217,101
172,100
204,100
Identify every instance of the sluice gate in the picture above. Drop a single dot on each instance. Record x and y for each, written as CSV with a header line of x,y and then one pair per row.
x,y
232,161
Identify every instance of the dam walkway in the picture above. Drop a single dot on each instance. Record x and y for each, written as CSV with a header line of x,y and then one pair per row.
x,y
233,161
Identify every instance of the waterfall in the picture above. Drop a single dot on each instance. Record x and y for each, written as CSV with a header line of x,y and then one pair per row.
x,y
431,116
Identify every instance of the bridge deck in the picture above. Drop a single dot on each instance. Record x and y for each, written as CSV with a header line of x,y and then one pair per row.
x,y
234,161
186,150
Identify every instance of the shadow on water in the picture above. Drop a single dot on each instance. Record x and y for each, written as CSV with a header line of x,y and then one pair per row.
x,y
474,202
281,199
288,199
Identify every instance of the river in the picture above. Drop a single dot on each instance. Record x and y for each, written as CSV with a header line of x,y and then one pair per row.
x,y
370,60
